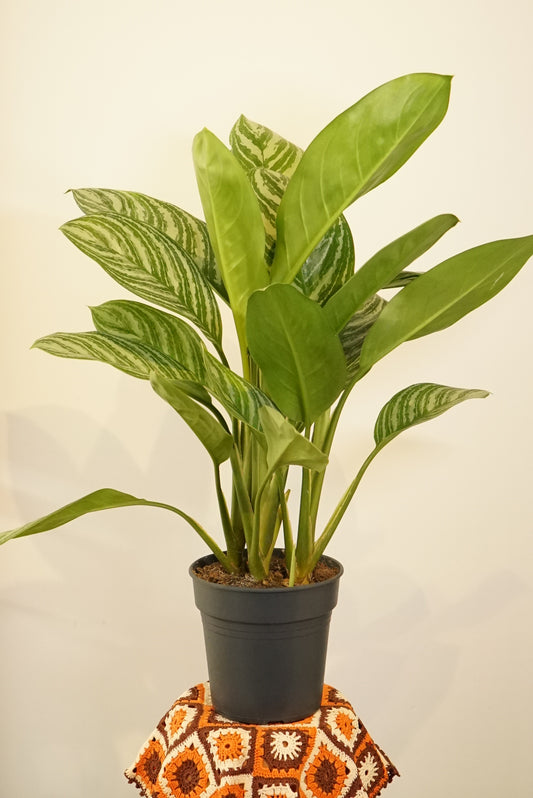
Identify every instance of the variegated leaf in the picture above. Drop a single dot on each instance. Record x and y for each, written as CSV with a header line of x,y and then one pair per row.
x,y
132,357
353,334
329,265
183,228
256,145
268,187
238,396
332,261
149,264
416,404
168,336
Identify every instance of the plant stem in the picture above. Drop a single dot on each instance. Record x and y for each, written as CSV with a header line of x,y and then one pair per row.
x,y
342,506
243,498
304,544
327,442
255,560
287,527
234,546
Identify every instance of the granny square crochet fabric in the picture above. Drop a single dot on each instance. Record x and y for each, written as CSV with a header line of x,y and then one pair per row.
x,y
196,753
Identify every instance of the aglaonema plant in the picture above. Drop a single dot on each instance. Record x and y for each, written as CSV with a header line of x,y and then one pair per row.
x,y
277,249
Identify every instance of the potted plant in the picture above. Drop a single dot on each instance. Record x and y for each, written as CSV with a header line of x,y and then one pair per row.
x,y
277,250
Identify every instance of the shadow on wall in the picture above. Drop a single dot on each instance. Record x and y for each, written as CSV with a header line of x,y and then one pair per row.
x,y
98,616
406,658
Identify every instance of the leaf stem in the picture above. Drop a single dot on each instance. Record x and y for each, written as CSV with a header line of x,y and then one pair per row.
x,y
206,537
341,508
243,497
234,546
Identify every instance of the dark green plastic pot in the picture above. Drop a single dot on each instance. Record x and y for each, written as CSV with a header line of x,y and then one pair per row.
x,y
266,647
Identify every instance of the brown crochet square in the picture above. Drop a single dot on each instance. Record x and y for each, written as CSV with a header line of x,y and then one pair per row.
x,y
196,753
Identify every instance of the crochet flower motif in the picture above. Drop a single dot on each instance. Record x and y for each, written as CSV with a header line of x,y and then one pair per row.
x,y
368,770
285,745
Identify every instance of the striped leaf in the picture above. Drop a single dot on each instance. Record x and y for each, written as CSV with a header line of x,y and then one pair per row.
x,y
238,396
234,223
132,357
149,264
183,228
268,187
385,265
332,261
153,328
356,152
170,338
354,333
329,265
444,294
416,404
255,145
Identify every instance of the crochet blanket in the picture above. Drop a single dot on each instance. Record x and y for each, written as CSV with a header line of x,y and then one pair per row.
x,y
196,753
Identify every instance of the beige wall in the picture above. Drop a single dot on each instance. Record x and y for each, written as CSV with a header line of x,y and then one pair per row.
x,y
432,639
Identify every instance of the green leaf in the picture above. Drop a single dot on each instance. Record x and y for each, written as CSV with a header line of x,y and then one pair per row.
x,y
385,265
210,432
416,404
234,223
357,151
285,446
104,499
446,293
255,145
299,354
166,336
149,264
331,262
354,333
183,228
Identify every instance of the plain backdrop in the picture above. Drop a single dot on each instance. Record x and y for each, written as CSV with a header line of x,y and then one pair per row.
x,y
431,640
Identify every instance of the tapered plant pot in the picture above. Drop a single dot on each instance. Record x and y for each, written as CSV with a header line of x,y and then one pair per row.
x,y
266,647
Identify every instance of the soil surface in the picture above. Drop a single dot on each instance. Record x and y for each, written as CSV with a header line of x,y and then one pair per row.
x,y
277,577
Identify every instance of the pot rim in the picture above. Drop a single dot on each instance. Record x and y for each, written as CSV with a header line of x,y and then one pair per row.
x,y
266,590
